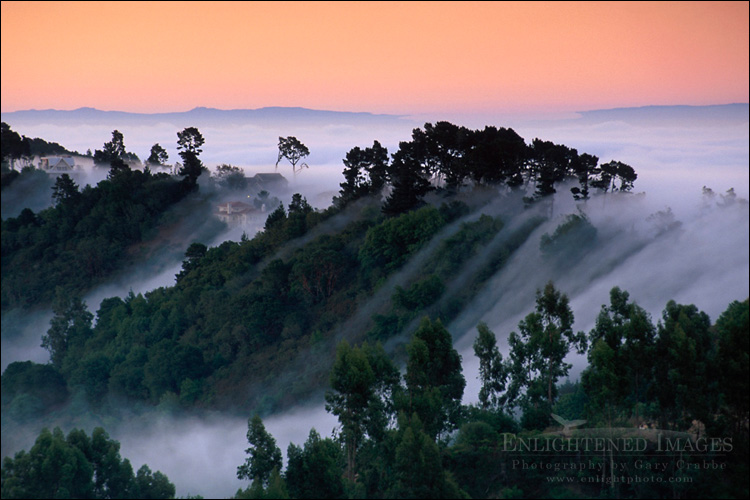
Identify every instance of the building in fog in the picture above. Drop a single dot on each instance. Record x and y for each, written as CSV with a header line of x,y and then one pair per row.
x,y
240,214
58,164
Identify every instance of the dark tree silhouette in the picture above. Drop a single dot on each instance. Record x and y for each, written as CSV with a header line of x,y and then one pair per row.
x,y
112,150
189,142
409,181
497,155
612,171
585,168
158,156
365,173
64,189
441,148
13,146
293,150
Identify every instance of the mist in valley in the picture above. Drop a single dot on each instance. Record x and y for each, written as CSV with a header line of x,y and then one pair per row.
x,y
668,239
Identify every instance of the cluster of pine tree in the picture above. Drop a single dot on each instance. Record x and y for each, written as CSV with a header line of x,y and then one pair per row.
x,y
446,157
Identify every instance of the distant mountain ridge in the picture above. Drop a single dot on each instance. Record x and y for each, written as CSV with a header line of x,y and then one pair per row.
x,y
666,114
200,116
195,116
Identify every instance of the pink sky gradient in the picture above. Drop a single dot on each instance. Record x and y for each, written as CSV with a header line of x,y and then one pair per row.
x,y
389,57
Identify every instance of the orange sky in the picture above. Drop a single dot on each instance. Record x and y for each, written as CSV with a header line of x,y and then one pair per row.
x,y
390,57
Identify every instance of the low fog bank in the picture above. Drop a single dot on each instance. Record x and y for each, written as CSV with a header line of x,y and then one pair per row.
x,y
22,336
245,145
199,454
35,191
32,193
695,254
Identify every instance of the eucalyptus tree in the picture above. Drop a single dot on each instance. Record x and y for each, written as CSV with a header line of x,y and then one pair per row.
x,y
492,370
363,380
621,358
434,379
293,150
70,327
264,455
686,349
352,379
537,354
733,364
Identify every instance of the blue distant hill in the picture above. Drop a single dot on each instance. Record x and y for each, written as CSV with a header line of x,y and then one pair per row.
x,y
201,116
654,115
197,116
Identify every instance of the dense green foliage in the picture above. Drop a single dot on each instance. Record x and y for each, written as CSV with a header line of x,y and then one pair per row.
x,y
487,457
30,389
239,305
265,456
83,238
79,466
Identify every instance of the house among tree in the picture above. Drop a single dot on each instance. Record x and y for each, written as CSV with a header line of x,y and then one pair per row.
x,y
237,213
58,164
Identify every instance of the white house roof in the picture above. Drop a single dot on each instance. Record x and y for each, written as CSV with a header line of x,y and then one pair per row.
x,y
60,161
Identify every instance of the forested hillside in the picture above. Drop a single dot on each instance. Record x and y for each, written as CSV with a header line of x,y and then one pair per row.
x,y
265,301
334,303
90,232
